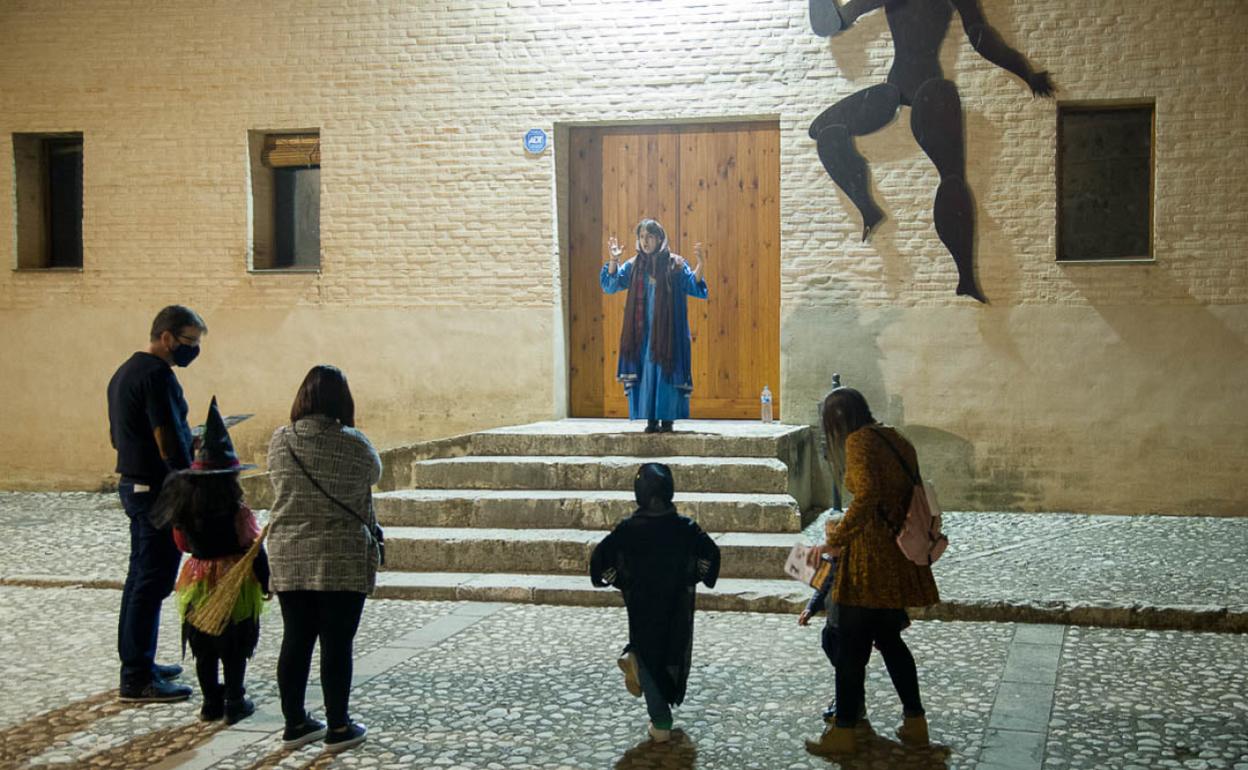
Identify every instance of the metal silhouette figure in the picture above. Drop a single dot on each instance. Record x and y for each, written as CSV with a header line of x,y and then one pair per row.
x,y
916,80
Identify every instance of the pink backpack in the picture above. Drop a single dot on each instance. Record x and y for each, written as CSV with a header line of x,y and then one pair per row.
x,y
919,538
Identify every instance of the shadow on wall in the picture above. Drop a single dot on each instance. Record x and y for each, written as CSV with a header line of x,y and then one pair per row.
x,y
845,340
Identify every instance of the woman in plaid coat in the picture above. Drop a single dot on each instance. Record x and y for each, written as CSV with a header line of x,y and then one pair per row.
x,y
324,549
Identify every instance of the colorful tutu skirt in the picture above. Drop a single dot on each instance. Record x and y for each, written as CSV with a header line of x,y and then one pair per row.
x,y
239,638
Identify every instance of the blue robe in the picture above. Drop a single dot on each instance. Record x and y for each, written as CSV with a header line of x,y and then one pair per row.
x,y
654,393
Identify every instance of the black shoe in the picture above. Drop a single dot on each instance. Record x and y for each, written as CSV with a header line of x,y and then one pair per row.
x,y
829,715
652,426
665,426
341,740
238,710
155,691
301,735
211,710
171,671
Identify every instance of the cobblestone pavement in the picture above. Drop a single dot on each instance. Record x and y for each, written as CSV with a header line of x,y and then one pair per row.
x,y
468,685
462,685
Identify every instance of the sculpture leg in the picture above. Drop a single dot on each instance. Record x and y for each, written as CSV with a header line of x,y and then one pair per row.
x,y
955,224
936,121
834,130
848,169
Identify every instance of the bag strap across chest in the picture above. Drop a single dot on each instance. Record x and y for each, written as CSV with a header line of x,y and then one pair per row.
x,y
914,476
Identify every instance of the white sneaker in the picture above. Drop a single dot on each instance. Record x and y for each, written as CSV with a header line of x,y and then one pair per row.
x,y
659,735
632,682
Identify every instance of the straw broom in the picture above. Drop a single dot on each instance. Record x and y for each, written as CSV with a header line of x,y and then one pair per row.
x,y
213,615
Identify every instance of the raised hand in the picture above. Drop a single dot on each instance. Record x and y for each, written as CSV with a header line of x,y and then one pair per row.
x,y
613,244
698,254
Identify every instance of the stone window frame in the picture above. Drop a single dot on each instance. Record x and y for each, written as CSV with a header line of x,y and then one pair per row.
x,y
1065,108
261,218
32,201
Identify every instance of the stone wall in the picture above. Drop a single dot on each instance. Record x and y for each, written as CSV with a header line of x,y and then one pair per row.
x,y
1111,388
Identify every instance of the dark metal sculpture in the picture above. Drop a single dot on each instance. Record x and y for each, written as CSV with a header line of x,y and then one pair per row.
x,y
916,80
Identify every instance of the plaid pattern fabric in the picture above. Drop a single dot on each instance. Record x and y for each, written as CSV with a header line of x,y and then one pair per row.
x,y
313,544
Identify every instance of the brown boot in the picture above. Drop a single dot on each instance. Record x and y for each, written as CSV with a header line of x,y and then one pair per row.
x,y
835,740
913,731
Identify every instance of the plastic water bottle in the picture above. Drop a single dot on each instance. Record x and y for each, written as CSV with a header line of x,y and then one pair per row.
x,y
765,401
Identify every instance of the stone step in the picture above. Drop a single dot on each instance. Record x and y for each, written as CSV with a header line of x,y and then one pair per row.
x,y
693,474
557,551
577,509
789,596
729,594
599,438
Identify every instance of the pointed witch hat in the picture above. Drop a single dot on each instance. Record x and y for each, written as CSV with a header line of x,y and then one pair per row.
x,y
216,451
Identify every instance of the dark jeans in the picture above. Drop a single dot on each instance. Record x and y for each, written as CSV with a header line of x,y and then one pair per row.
x,y
332,617
149,579
860,627
830,640
656,704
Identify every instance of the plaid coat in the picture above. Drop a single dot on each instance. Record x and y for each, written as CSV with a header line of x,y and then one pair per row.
x,y
314,545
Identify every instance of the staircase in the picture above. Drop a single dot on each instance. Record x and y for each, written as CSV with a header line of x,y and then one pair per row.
x,y
513,514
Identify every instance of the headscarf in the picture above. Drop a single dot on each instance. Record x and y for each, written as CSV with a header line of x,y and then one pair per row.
x,y
654,488
661,267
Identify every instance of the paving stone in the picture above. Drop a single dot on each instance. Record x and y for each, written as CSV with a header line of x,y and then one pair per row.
x,y
1032,663
1013,749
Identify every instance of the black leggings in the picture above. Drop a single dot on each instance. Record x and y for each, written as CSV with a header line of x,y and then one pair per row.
x,y
228,651
860,627
332,617
235,670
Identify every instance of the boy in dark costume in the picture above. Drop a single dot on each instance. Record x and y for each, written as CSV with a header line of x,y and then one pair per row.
x,y
656,558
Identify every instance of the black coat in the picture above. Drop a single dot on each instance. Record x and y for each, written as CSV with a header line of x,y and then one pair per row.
x,y
657,559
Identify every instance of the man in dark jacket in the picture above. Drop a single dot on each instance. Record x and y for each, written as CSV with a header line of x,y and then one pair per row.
x,y
147,424
656,558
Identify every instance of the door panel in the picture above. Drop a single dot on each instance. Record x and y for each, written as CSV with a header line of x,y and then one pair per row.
x,y
717,184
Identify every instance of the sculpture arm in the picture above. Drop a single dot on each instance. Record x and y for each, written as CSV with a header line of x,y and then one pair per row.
x,y
985,40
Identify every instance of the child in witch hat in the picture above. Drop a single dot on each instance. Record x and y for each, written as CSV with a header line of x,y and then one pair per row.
x,y
210,522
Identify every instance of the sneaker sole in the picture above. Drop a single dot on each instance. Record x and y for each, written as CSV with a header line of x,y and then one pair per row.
x,y
153,699
304,740
334,748
631,682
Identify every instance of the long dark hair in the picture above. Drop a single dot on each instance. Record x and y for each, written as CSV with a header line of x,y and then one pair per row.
x,y
844,411
204,507
325,392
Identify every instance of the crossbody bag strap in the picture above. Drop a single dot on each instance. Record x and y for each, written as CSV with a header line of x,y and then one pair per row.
x,y
322,489
914,477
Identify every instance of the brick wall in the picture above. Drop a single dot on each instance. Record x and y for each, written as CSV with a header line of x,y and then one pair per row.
x,y
431,207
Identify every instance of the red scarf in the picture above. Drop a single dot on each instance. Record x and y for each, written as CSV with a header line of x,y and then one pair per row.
x,y
662,268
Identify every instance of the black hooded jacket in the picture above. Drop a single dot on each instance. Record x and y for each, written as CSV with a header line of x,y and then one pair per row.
x,y
657,558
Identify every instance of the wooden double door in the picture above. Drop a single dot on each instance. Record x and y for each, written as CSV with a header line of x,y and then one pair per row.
x,y
714,183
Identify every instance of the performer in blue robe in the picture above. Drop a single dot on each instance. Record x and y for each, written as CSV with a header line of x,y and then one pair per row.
x,y
654,344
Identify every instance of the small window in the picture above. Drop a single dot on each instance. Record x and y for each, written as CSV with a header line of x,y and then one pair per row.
x,y
1105,182
48,177
286,200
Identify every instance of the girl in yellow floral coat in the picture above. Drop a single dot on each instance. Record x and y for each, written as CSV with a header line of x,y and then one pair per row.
x,y
875,581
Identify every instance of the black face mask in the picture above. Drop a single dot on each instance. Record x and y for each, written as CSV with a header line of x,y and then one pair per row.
x,y
183,355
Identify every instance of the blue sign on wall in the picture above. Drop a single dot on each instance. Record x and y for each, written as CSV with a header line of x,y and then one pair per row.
x,y
535,141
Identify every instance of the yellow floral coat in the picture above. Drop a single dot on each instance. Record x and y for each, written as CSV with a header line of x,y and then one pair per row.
x,y
873,572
